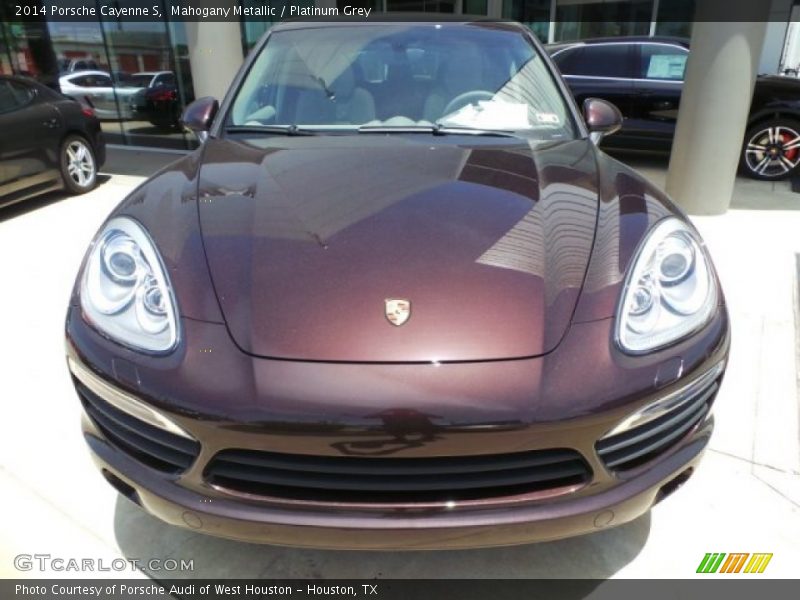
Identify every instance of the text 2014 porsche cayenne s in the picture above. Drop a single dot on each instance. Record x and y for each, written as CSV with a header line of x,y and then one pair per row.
x,y
397,299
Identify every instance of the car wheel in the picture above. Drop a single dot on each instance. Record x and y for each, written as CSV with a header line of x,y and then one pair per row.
x,y
78,165
772,150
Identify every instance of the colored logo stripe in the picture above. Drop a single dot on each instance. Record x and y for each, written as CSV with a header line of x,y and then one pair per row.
x,y
710,562
733,564
758,563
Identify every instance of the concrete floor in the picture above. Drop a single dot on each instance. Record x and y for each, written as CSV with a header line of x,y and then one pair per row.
x,y
744,498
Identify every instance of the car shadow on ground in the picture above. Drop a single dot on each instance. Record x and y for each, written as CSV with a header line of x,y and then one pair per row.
x,y
593,557
23,207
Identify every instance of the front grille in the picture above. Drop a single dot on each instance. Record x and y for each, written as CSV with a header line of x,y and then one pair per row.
x,y
364,479
639,445
150,445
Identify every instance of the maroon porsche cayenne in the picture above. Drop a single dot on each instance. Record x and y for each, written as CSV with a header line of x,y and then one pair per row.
x,y
397,299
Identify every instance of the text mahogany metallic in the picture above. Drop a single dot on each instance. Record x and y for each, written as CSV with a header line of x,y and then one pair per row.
x,y
397,299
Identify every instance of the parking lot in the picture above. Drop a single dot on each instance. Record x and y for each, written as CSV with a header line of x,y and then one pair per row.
x,y
744,498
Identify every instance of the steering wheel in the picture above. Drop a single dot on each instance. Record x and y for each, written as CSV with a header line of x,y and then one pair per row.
x,y
462,100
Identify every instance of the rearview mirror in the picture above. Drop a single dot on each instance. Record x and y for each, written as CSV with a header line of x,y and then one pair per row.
x,y
602,118
199,116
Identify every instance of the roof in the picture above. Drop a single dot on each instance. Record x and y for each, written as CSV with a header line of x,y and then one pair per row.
x,y
394,17
83,72
663,39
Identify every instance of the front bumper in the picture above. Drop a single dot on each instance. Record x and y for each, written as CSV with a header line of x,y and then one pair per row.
x,y
250,419
443,529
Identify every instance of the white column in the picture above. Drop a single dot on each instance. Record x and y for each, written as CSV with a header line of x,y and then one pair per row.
x,y
215,55
715,103
779,16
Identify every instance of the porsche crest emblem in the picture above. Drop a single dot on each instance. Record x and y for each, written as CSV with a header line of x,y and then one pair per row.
x,y
397,310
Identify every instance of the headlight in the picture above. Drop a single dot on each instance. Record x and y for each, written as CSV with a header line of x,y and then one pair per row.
x,y
669,292
125,292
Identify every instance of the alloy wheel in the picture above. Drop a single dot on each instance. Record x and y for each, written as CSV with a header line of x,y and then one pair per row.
x,y
80,163
773,152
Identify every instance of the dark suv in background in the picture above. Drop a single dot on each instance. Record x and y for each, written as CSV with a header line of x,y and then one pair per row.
x,y
643,77
160,101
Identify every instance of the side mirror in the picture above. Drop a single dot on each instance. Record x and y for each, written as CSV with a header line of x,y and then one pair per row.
x,y
199,115
602,118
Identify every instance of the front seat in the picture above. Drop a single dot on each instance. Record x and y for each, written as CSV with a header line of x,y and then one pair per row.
x,y
313,106
460,74
339,103
352,104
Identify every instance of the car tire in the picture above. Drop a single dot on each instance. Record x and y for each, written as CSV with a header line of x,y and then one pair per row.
x,y
78,165
771,150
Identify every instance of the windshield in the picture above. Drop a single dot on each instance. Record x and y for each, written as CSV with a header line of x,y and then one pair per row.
x,y
348,78
138,80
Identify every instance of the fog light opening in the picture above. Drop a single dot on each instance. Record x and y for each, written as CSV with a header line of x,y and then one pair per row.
x,y
123,488
672,485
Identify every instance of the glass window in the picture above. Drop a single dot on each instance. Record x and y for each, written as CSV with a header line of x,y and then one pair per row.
x,y
22,92
659,61
535,14
75,45
27,47
6,67
130,108
131,54
82,81
149,113
164,79
566,59
578,20
8,99
84,65
140,80
602,60
436,6
475,7
254,27
91,81
675,18
14,95
338,79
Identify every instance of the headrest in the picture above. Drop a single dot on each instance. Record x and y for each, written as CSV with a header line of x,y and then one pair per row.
x,y
344,84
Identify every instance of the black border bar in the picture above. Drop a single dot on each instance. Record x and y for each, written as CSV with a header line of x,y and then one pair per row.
x,y
276,10
734,587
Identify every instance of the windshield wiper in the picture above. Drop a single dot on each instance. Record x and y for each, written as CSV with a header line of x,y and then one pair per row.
x,y
398,129
437,129
279,129
461,129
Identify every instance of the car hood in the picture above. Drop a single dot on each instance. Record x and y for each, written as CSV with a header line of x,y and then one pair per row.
x,y
487,239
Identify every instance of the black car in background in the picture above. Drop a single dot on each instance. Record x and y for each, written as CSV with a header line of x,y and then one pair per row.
x,y
160,102
47,141
643,77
